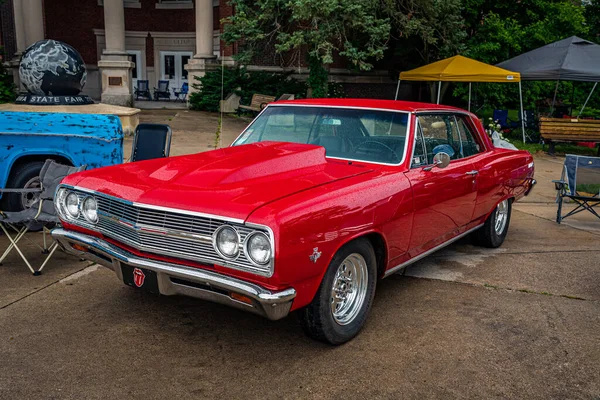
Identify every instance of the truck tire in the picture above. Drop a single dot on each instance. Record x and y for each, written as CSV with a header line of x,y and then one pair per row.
x,y
22,176
494,230
343,301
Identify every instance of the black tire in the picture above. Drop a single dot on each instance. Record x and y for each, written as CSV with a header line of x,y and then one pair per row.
x,y
317,319
19,177
487,236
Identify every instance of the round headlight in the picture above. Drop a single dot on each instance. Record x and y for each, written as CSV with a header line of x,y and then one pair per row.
x,y
59,201
226,241
89,210
258,248
72,205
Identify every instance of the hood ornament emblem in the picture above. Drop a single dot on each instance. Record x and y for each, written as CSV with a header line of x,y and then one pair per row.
x,y
315,255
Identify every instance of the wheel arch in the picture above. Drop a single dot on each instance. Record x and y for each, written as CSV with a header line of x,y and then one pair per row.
x,y
28,157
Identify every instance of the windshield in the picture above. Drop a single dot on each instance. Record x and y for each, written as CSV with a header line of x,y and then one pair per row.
x,y
352,134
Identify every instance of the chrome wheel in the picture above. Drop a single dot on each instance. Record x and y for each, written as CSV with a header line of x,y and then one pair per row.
x,y
501,217
27,199
349,289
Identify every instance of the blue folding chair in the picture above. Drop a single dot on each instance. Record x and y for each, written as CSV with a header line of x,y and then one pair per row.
x,y
181,94
580,181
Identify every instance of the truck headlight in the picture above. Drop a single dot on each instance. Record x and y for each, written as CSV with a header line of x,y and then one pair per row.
x,y
226,242
89,209
258,248
72,205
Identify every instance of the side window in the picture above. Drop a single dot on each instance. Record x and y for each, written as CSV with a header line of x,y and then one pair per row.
x,y
440,134
419,153
469,144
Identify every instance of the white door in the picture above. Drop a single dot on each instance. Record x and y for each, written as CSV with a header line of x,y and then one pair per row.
x,y
172,69
135,56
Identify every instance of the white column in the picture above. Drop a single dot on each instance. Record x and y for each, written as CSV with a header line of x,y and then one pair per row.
x,y
114,27
33,13
19,26
117,87
21,42
198,64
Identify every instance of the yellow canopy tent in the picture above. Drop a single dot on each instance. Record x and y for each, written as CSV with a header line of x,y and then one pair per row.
x,y
462,69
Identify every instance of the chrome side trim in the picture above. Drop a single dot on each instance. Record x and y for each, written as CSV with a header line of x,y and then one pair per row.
x,y
428,252
174,279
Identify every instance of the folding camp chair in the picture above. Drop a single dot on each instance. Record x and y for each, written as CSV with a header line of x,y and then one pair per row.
x,y
151,141
42,212
162,91
181,94
143,90
580,181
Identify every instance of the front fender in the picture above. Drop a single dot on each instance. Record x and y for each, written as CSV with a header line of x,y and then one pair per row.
x,y
320,221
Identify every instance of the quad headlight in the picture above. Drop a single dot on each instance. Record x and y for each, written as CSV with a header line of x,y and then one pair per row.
x,y
89,209
226,242
71,205
258,248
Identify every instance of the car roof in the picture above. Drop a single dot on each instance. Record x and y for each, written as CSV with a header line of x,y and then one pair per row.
x,y
395,105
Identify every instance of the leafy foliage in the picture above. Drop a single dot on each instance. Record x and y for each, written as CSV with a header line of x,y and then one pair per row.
x,y
352,29
244,83
7,87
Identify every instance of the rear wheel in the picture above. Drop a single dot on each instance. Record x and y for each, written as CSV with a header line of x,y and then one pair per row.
x,y
494,230
24,176
342,303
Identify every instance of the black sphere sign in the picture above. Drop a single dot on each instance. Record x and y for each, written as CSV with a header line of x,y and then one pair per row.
x,y
53,73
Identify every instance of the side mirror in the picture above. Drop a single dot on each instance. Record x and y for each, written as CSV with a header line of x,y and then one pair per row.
x,y
440,160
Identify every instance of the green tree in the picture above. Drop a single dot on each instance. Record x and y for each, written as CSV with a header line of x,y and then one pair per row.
x,y
353,29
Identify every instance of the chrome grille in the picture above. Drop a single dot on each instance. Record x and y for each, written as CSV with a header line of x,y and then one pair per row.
x,y
167,232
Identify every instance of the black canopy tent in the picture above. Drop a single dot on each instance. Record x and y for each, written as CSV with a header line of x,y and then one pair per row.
x,y
571,59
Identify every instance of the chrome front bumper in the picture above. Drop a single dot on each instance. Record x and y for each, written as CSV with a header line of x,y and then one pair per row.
x,y
174,279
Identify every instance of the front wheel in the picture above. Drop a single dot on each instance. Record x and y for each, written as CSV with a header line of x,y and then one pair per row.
x,y
494,230
342,303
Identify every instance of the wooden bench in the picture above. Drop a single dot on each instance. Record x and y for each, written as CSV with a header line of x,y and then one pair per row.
x,y
258,102
569,130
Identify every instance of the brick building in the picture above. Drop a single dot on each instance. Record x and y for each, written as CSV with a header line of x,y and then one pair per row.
x,y
127,40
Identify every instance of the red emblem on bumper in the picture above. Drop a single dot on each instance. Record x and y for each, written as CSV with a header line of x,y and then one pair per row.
x,y
138,277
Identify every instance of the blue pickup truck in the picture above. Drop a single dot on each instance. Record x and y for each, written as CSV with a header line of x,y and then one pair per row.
x,y
27,139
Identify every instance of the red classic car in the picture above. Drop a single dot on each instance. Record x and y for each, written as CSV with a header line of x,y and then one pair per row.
x,y
311,205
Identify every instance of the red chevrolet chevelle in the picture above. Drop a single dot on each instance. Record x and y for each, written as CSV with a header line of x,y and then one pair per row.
x,y
312,204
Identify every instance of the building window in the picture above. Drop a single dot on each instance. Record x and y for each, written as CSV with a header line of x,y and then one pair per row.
x,y
174,4
126,3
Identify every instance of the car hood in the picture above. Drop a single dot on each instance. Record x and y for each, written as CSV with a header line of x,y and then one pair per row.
x,y
230,182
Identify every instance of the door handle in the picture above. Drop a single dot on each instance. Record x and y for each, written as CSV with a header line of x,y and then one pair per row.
x,y
472,172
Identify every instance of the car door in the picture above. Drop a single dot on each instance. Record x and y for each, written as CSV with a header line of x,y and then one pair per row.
x,y
444,198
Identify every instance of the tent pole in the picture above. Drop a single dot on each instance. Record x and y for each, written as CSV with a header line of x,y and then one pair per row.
x,y
554,99
439,91
522,113
397,89
586,100
469,96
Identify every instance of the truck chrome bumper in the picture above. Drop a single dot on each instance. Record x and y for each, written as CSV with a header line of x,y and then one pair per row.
x,y
174,279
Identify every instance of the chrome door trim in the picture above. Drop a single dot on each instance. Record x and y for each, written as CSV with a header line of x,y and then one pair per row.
x,y
428,252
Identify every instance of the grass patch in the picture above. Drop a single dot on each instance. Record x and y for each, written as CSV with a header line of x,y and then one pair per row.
x,y
560,149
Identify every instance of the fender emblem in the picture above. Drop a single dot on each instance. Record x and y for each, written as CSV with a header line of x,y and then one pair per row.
x,y
315,255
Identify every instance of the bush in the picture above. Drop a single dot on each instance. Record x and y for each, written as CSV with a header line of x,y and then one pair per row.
x,y
7,87
244,83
